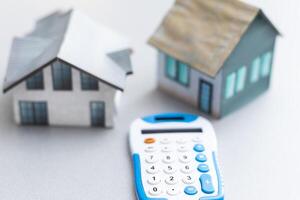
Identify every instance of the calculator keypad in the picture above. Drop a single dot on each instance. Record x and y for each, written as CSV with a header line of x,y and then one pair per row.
x,y
178,167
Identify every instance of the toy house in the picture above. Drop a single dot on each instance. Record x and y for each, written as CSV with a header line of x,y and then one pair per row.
x,y
67,71
216,55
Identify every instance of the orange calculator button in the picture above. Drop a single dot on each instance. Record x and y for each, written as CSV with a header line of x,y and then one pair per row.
x,y
149,140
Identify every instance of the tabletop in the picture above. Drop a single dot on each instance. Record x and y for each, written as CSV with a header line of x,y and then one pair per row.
x,y
258,144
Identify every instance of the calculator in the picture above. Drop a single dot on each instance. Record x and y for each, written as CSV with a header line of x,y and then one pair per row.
x,y
175,158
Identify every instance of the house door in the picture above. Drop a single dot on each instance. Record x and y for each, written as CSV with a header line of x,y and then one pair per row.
x,y
33,113
97,113
205,96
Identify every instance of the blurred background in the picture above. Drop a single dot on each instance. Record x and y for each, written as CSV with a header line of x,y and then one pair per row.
x,y
259,144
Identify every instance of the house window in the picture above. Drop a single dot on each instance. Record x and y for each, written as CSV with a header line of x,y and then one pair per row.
x,y
97,109
36,81
230,85
266,64
255,70
88,82
241,78
178,71
33,113
62,77
171,68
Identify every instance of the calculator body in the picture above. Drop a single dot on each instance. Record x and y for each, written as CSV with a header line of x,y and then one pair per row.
x,y
175,158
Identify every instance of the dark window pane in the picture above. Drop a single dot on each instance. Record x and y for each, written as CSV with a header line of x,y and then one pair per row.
x,y
36,81
98,113
62,77
88,82
33,113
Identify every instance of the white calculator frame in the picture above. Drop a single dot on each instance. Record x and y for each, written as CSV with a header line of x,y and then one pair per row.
x,y
174,126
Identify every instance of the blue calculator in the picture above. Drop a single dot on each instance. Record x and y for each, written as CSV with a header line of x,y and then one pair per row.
x,y
175,158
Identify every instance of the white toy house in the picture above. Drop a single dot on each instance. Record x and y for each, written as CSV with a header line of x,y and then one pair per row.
x,y
67,71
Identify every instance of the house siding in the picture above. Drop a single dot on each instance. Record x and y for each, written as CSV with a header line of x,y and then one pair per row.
x,y
67,108
259,39
190,93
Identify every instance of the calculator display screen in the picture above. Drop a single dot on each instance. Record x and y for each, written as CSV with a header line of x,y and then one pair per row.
x,y
159,131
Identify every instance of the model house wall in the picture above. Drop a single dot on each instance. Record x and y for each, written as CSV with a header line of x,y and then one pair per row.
x,y
246,66
189,93
71,107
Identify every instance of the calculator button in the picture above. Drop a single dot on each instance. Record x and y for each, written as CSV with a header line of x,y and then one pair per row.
x,y
169,169
153,180
190,190
149,141
151,159
181,141
203,168
150,148
188,179
206,184
152,169
185,158
165,141
197,139
168,159
199,148
173,191
155,191
166,149
171,180
186,169
201,157
182,148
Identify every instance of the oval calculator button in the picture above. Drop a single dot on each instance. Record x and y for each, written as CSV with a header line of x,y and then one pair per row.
x,y
171,180
187,169
190,190
199,148
185,158
203,168
206,184
170,169
182,148
188,179
155,191
166,149
181,141
153,180
152,169
197,139
165,141
168,159
173,191
150,149
201,157
151,159
149,141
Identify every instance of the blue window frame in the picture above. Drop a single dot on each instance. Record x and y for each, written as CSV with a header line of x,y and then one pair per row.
x,y
62,76
177,71
33,113
97,113
266,64
88,82
230,85
255,70
241,79
35,81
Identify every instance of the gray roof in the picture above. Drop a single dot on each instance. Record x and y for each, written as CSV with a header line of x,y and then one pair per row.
x,y
203,33
73,38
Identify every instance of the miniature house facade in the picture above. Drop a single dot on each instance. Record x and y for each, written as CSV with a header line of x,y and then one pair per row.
x,y
67,72
215,55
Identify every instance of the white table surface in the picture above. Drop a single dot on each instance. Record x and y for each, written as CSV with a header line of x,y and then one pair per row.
x,y
259,145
